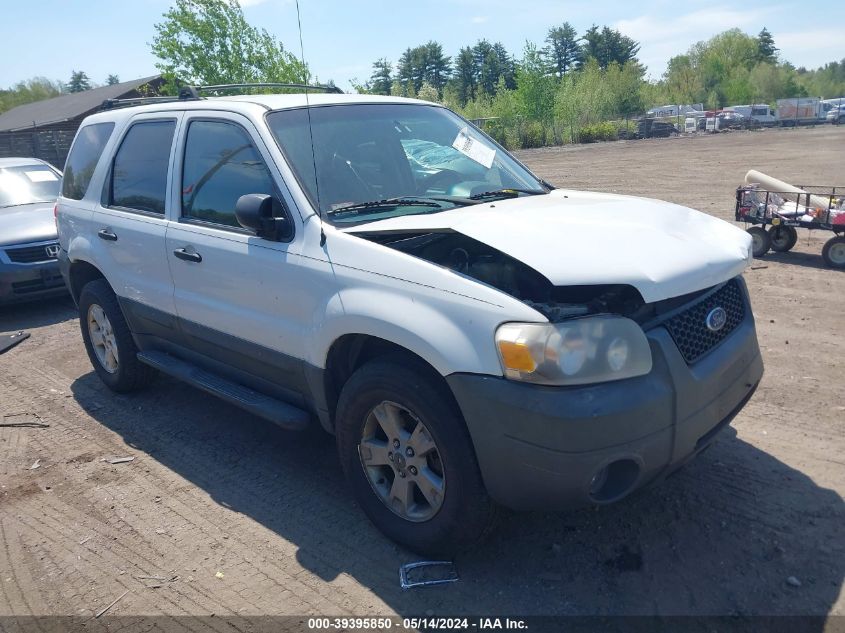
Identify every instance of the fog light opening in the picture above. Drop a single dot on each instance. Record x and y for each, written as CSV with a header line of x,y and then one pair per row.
x,y
614,481
598,481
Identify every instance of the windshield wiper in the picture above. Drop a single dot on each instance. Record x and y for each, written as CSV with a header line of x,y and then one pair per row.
x,y
508,192
405,201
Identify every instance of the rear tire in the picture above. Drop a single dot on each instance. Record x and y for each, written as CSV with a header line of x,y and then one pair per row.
x,y
782,238
108,340
399,390
761,241
834,252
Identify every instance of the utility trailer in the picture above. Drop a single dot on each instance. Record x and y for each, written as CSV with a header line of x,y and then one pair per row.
x,y
783,212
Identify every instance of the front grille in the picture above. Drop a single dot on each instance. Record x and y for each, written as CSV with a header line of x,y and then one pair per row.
x,y
31,254
689,328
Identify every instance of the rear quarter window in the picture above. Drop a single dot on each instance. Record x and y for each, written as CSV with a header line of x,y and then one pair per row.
x,y
83,158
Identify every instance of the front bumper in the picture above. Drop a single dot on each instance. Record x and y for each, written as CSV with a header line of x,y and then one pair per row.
x,y
543,447
29,281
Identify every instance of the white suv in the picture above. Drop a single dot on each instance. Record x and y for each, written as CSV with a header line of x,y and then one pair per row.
x,y
471,335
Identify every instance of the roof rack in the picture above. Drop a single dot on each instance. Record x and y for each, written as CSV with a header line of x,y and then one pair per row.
x,y
184,95
192,93
330,89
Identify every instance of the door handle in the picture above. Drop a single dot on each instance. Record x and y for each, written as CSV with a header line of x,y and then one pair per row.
x,y
188,256
106,234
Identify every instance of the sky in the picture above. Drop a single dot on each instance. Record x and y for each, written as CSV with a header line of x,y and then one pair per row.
x,y
342,38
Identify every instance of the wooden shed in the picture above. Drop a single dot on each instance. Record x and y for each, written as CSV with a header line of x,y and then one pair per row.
x,y
45,129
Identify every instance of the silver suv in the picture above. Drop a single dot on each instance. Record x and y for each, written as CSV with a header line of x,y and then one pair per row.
x,y
472,336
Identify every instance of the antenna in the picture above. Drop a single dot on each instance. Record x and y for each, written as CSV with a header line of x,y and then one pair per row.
x,y
310,131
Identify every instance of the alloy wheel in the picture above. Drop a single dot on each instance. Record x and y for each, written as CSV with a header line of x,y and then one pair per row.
x,y
402,462
102,338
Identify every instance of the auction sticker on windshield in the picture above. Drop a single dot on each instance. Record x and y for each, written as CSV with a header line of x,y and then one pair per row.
x,y
474,149
41,176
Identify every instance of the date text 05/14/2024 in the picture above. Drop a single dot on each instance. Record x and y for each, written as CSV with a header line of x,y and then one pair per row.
x,y
423,623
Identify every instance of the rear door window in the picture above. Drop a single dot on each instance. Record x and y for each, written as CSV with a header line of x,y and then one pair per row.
x,y
221,164
139,172
83,159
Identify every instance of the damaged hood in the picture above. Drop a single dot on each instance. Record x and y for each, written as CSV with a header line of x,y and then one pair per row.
x,y
583,238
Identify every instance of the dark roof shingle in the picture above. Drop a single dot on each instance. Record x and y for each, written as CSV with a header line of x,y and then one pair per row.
x,y
67,106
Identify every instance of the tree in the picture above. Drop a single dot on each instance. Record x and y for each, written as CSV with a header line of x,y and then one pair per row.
x,y
34,89
563,52
507,66
767,52
428,92
381,79
112,80
774,81
422,64
625,84
535,88
828,81
410,69
728,50
210,42
78,82
683,81
583,98
716,72
438,67
465,77
486,67
608,45
492,62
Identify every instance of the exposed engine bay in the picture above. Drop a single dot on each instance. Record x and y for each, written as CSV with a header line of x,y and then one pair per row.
x,y
479,261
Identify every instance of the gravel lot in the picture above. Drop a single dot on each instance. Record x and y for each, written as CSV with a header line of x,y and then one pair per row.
x,y
213,490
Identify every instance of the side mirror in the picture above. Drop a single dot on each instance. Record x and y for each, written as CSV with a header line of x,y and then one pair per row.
x,y
254,211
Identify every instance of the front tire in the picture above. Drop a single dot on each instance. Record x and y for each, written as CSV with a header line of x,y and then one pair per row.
x,y
409,459
783,238
761,241
108,340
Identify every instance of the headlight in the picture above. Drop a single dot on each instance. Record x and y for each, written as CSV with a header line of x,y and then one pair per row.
x,y
575,352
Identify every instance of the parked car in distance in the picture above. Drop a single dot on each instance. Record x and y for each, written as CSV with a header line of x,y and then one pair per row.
x,y
836,114
472,336
29,245
729,119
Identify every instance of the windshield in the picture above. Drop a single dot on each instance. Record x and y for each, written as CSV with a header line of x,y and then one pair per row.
x,y
26,184
401,153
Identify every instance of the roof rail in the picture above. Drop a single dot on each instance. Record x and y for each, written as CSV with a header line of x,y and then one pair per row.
x,y
186,93
330,89
192,93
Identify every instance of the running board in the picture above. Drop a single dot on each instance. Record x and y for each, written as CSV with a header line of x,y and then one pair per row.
x,y
281,413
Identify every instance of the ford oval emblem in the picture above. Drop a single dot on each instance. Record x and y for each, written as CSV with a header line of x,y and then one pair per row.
x,y
716,319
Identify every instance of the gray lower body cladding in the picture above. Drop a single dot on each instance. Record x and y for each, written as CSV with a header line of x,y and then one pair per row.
x,y
548,447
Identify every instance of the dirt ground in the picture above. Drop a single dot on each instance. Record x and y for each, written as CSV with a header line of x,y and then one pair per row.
x,y
213,490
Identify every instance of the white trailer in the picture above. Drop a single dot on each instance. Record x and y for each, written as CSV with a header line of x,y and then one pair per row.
x,y
761,113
